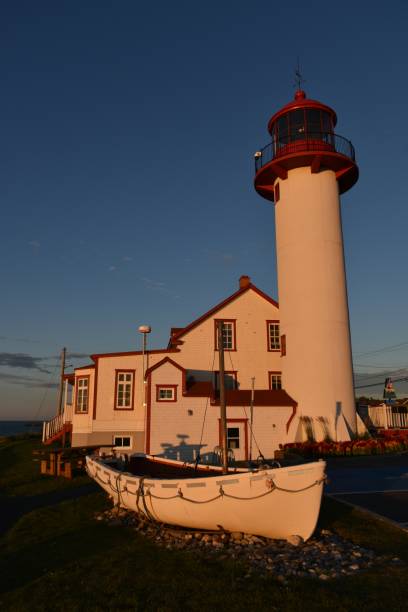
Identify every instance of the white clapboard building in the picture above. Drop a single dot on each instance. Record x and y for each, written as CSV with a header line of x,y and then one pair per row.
x,y
166,402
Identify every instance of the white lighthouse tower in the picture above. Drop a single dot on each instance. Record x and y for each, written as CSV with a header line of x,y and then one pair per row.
x,y
304,170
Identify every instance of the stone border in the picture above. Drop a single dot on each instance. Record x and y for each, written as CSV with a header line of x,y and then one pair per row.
x,y
325,556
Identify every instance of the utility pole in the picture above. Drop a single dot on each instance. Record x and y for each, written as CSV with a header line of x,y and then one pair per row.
x,y
61,385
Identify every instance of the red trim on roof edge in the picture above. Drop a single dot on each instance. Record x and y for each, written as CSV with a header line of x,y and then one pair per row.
x,y
162,362
218,307
129,353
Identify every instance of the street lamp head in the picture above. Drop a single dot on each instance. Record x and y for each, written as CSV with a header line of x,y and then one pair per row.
x,y
145,329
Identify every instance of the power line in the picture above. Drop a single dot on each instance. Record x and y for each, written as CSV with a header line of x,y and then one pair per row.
x,y
366,381
381,383
390,373
380,367
385,349
376,374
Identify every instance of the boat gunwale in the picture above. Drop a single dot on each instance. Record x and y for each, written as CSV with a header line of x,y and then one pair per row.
x,y
254,475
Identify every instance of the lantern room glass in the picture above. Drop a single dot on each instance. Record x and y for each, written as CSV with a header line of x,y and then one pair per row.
x,y
302,124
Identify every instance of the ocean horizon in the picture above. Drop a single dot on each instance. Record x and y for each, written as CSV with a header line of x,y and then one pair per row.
x,y
13,428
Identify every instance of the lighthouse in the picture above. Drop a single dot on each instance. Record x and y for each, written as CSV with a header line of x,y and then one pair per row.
x,y
303,170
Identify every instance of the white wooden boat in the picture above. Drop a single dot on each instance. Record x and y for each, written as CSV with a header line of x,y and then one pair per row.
x,y
271,502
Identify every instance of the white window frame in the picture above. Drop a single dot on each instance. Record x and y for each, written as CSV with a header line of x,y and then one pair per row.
x,y
127,397
121,446
166,388
275,381
82,394
236,438
274,336
229,332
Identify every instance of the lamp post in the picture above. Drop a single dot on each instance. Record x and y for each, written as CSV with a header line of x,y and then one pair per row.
x,y
144,330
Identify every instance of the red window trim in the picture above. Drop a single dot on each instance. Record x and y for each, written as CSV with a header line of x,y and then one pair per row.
x,y
78,378
132,404
268,345
273,373
234,333
245,422
168,401
277,192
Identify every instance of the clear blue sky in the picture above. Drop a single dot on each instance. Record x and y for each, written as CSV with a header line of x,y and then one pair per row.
x,y
127,133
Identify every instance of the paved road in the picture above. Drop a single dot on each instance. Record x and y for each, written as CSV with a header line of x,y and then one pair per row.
x,y
377,483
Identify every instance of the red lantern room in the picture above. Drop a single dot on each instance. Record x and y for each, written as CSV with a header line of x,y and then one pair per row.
x,y
303,135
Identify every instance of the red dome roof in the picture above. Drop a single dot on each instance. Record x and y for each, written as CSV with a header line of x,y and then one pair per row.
x,y
300,101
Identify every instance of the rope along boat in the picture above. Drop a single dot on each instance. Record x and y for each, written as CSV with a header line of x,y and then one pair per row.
x,y
271,502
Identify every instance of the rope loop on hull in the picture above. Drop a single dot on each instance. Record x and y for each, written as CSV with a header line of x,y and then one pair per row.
x,y
141,494
222,493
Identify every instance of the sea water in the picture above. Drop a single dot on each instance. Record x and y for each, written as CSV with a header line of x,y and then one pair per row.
x,y
13,428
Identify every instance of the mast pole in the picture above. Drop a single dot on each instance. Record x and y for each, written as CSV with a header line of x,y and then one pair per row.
x,y
61,384
252,415
223,407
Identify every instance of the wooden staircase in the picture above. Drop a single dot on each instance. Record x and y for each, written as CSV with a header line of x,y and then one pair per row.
x,y
56,428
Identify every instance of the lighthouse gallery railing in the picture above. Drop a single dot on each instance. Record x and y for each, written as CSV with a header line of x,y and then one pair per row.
x,y
298,142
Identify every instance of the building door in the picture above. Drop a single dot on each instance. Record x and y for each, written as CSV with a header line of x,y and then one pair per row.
x,y
237,438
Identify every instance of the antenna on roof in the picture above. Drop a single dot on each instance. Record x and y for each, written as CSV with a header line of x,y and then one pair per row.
x,y
298,76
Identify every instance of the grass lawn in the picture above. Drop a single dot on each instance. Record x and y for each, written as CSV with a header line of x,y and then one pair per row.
x,y
60,558
20,474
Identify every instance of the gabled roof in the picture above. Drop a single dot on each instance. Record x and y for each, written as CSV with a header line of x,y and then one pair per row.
x,y
177,333
162,362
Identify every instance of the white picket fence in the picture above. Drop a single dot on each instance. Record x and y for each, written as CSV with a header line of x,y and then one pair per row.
x,y
388,417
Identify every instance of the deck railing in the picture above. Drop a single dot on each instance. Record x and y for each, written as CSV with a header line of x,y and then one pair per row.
x,y
298,143
52,427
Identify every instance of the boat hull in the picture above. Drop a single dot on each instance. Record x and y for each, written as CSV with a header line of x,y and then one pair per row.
x,y
275,502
